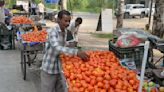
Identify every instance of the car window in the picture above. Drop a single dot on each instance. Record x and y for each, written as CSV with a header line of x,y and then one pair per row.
x,y
142,7
134,7
137,7
128,6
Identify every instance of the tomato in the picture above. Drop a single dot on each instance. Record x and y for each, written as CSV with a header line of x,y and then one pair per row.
x,y
101,73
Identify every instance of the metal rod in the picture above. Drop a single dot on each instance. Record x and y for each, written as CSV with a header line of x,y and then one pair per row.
x,y
150,13
144,60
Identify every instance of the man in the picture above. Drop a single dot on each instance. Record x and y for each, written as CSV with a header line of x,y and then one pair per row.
x,y
33,8
41,8
74,27
52,79
8,16
2,12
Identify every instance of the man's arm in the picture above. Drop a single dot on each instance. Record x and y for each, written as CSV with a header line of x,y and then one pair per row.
x,y
52,37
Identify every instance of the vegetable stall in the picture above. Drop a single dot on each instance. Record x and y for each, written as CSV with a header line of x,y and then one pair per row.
x,y
31,40
105,71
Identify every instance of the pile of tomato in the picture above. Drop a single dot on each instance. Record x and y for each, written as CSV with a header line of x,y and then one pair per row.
x,y
101,73
21,20
35,36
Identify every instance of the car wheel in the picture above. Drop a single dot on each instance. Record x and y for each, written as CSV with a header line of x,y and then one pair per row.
x,y
126,15
142,15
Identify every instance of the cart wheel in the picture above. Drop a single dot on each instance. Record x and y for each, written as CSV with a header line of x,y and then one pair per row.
x,y
23,65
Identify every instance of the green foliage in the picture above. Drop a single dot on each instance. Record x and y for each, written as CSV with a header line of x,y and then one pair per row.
x,y
9,3
90,5
78,5
102,35
52,6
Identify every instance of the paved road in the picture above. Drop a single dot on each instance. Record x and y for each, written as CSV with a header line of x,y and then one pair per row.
x,y
10,75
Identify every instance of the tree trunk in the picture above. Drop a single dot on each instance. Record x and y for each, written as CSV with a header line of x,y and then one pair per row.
x,y
64,4
120,14
158,21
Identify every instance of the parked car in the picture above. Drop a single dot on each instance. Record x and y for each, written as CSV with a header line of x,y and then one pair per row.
x,y
131,10
152,12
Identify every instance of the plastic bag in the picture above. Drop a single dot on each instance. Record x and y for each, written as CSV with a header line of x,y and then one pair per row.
x,y
127,41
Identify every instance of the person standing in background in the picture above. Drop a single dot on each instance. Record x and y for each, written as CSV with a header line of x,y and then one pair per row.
x,y
2,12
33,8
74,27
41,9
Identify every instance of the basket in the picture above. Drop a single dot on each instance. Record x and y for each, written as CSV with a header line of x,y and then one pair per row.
x,y
158,78
135,53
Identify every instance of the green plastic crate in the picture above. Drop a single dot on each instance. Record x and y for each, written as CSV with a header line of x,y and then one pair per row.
x,y
135,53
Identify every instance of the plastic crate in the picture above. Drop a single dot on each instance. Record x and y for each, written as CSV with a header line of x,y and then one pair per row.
x,y
135,53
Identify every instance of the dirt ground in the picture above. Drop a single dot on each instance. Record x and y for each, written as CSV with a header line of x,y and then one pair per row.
x,y
89,25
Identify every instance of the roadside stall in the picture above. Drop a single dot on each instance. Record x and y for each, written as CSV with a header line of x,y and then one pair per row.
x,y
129,48
30,34
31,44
31,38
6,32
20,8
104,72
117,70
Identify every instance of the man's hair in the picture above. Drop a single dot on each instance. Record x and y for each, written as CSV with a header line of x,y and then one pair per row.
x,y
63,12
2,3
79,20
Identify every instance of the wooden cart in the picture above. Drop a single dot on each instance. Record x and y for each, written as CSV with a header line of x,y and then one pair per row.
x,y
29,50
29,54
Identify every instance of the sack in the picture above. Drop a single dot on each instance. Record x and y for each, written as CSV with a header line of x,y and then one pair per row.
x,y
127,41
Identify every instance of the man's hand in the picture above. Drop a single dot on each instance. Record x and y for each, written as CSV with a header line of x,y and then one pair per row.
x,y
82,55
72,44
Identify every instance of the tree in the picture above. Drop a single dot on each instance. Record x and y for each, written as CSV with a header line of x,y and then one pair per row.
x,y
63,4
158,21
120,14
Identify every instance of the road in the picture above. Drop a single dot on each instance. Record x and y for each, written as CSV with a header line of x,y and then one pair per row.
x,y
11,77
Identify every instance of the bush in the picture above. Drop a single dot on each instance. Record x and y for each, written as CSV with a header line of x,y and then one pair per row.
x,y
89,5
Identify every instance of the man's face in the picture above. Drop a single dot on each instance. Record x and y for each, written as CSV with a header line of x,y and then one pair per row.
x,y
64,21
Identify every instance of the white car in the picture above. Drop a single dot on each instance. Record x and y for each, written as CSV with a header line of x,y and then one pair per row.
x,y
148,11
131,10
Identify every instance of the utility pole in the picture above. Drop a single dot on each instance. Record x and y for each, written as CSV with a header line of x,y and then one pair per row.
x,y
150,13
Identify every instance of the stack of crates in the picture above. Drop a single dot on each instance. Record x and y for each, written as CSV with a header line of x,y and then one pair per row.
x,y
135,53
5,37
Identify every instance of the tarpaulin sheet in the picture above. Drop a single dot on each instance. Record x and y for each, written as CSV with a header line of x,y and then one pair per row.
x,y
51,1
